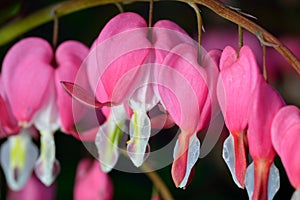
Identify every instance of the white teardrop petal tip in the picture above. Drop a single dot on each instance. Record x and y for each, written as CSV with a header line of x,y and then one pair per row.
x,y
229,157
18,156
193,155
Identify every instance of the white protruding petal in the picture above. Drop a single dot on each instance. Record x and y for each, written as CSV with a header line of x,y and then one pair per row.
x,y
249,180
48,116
47,167
229,157
18,156
109,136
296,195
140,130
273,182
193,155
145,97
107,141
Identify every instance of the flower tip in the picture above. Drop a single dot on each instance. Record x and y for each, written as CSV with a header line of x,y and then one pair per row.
x,y
46,177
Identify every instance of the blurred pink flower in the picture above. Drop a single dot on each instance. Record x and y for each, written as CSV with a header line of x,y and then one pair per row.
x,y
34,189
91,183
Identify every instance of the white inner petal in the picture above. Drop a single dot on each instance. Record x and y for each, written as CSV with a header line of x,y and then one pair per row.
x,y
18,156
46,163
273,181
109,136
229,157
249,180
48,116
140,131
193,155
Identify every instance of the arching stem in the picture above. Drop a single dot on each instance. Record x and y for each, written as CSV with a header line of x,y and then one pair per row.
x,y
15,29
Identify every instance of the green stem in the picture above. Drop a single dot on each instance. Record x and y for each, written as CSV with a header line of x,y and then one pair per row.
x,y
240,31
55,30
13,30
199,25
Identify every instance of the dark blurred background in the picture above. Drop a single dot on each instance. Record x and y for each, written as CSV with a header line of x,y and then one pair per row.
x,y
212,179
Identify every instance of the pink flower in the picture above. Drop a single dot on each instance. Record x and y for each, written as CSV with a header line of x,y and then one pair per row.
x,y
34,189
285,137
237,80
261,115
31,76
126,77
91,183
187,92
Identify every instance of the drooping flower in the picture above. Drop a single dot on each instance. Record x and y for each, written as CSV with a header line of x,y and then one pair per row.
x,y
18,153
236,84
285,138
31,76
34,189
91,183
126,77
262,177
188,93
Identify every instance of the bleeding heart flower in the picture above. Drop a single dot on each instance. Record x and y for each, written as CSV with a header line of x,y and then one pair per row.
x,y
126,77
91,183
236,84
181,78
31,78
261,114
285,137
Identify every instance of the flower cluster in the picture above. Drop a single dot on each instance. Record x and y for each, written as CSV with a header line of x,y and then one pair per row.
x,y
137,80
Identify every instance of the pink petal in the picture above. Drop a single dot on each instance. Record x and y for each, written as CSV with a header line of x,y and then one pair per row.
x,y
91,183
8,123
261,115
183,89
106,65
237,80
286,118
289,155
120,23
26,74
165,35
211,106
69,57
